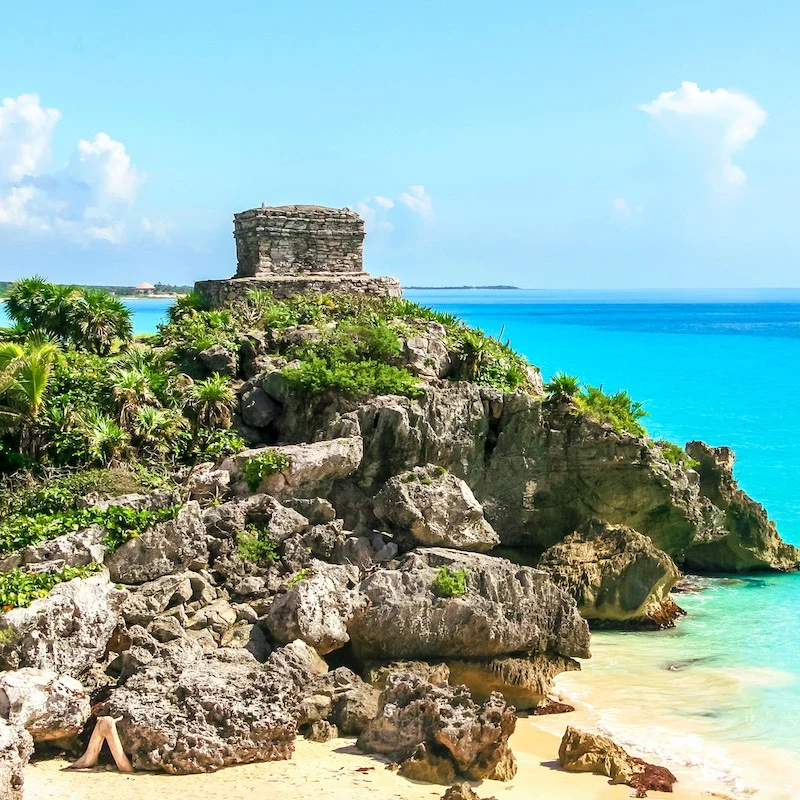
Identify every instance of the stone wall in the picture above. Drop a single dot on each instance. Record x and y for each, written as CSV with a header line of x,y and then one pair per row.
x,y
219,292
297,240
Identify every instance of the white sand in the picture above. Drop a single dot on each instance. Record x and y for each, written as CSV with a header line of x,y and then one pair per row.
x,y
335,770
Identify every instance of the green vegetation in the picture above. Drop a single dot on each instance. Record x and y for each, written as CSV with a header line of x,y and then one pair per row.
x,y
450,582
298,576
255,545
255,469
617,409
18,588
562,387
676,455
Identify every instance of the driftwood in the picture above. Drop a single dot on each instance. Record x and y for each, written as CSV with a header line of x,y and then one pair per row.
x,y
104,731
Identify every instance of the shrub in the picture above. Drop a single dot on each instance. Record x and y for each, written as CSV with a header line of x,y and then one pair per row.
x,y
618,409
19,588
255,469
676,455
355,379
220,443
255,545
562,387
450,582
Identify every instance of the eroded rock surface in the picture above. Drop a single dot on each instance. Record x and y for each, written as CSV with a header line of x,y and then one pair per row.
x,y
616,575
507,609
434,507
16,749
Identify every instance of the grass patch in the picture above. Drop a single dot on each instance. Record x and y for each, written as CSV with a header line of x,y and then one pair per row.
x,y
256,546
450,582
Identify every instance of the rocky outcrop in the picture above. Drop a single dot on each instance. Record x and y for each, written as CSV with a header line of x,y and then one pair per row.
x,y
747,539
218,358
506,609
447,723
318,608
16,749
49,706
339,698
586,752
64,632
172,546
462,791
311,468
616,575
212,713
524,682
431,506
77,549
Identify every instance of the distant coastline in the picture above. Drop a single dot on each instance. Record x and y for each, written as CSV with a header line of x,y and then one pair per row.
x,y
159,291
455,288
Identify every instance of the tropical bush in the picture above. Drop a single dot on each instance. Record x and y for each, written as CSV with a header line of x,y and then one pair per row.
x,y
255,469
255,545
19,588
618,409
450,582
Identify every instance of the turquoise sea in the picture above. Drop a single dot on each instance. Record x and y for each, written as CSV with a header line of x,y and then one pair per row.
x,y
721,366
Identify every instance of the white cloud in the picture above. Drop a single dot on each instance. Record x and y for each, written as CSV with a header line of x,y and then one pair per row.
x,y
26,130
419,201
374,216
621,207
384,202
722,120
87,199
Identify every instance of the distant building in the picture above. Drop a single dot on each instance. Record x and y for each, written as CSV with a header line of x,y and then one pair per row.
x,y
145,289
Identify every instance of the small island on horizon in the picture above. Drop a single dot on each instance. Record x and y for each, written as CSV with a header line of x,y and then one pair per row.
x,y
455,288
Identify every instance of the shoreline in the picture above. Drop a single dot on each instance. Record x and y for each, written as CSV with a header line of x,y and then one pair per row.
x,y
335,770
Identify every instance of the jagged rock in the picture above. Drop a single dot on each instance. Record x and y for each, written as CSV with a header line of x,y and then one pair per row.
x,y
445,720
586,752
155,501
172,546
616,575
318,608
322,731
312,467
524,682
437,674
49,706
219,359
462,791
299,661
507,609
147,601
75,549
16,749
342,698
435,508
211,714
424,765
205,481
165,629
748,539
258,409
427,355
66,631
317,510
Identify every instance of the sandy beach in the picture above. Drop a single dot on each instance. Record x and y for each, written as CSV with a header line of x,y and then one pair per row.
x,y
333,770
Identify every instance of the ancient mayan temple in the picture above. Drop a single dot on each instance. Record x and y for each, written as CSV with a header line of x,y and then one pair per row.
x,y
290,249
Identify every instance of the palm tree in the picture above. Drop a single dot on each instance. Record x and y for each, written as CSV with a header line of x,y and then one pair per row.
x,y
106,441
100,319
132,390
474,353
35,303
211,402
562,387
25,370
27,299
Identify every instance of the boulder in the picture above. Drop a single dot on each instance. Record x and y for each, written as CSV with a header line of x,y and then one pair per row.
x,y
462,791
317,608
172,546
213,713
311,470
64,632
426,354
147,601
155,501
616,575
507,609
75,549
436,508
377,674
341,698
205,481
444,719
218,358
748,539
257,408
49,706
524,682
586,752
16,749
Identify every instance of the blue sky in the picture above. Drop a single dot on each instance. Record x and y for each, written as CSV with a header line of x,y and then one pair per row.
x,y
565,145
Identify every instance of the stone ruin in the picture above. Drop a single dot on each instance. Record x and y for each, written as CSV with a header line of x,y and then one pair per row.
x,y
290,249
